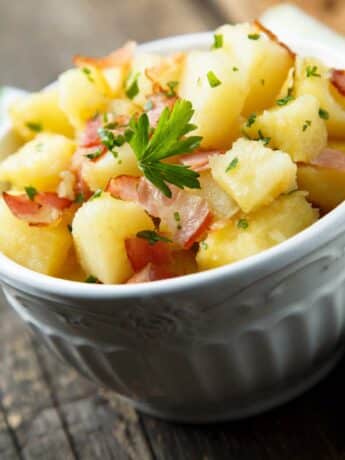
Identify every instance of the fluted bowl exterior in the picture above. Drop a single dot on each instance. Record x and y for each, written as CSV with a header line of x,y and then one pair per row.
x,y
222,344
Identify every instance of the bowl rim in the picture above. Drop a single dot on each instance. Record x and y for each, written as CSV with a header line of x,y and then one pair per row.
x,y
270,260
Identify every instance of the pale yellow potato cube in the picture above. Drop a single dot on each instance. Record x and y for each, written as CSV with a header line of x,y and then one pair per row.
x,y
252,174
97,173
38,163
100,228
39,112
296,128
82,94
217,94
265,61
42,249
250,234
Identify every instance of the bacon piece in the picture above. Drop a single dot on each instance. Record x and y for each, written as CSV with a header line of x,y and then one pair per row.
x,y
140,252
331,159
90,137
150,272
199,160
273,37
159,102
186,215
338,80
124,187
117,58
45,209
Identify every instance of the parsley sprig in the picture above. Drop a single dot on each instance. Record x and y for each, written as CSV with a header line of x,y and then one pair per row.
x,y
168,139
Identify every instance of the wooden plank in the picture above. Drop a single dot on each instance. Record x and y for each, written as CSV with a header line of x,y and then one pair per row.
x,y
332,12
38,40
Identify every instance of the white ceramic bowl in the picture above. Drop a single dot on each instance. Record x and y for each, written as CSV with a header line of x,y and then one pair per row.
x,y
221,344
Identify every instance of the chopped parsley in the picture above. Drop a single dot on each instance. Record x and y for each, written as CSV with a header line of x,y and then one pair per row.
x,y
111,140
132,88
91,279
115,154
285,100
168,139
323,114
97,194
31,192
86,71
152,237
172,85
213,80
204,245
235,69
148,105
312,71
251,120
243,224
177,217
79,198
253,36
105,117
232,165
35,126
218,41
262,138
92,156
306,125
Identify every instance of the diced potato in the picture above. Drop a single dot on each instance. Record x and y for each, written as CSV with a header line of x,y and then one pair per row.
x,y
218,107
71,269
319,86
42,249
255,232
253,175
266,62
82,94
325,187
97,174
114,77
38,163
39,112
100,228
295,128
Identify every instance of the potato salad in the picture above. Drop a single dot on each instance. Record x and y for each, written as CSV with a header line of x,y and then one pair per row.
x,y
137,167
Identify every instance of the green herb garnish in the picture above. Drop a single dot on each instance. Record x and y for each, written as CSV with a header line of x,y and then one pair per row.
x,y
91,279
31,192
242,223
34,126
92,156
253,36
172,85
323,114
232,165
213,80
251,120
306,125
168,139
97,194
177,217
148,105
312,71
204,245
218,41
262,138
235,69
152,237
285,100
88,74
79,198
111,140
132,88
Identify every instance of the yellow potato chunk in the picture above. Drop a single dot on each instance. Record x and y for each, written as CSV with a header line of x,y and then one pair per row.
x,y
97,174
100,228
252,174
42,249
295,128
39,112
38,163
82,94
257,231
217,94
325,187
316,82
266,63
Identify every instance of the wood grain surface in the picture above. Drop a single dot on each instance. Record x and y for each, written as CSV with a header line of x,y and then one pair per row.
x,y
47,411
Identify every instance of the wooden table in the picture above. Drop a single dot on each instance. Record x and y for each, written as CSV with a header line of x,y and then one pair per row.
x,y
46,410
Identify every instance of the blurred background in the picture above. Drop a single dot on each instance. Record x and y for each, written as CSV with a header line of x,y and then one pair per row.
x,y
39,37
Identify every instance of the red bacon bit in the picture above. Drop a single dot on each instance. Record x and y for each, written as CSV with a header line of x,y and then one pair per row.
x,y
159,102
273,37
140,252
193,213
124,187
338,80
90,137
45,209
199,160
331,159
117,58
150,272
